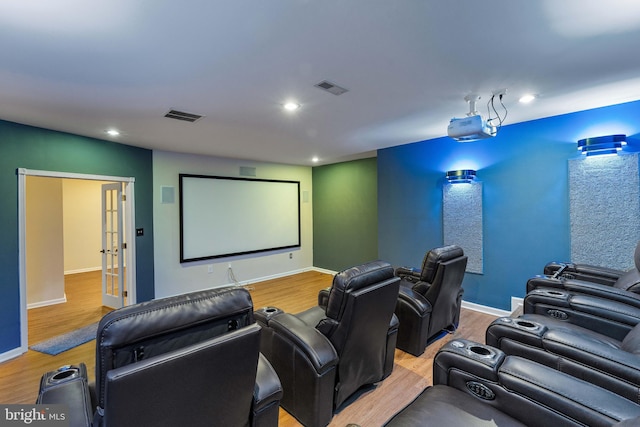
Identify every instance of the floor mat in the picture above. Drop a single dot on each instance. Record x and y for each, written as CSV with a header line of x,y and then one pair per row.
x,y
64,342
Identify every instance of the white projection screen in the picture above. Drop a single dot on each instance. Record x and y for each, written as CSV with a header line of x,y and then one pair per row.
x,y
227,216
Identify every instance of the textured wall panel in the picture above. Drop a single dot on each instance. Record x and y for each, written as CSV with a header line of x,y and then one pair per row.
x,y
462,221
604,210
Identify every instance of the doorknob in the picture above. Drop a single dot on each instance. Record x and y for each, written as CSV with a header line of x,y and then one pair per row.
x,y
102,251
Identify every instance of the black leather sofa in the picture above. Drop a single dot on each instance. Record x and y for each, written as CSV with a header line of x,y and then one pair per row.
x,y
325,354
430,298
189,360
477,385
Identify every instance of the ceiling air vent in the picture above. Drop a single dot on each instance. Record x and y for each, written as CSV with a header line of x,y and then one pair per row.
x,y
181,115
331,88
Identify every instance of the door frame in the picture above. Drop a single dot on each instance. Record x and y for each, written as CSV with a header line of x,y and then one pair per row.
x,y
130,253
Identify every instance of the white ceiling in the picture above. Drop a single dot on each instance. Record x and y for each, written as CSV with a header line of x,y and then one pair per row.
x,y
87,66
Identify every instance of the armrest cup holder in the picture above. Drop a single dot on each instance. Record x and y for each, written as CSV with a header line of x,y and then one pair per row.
x,y
468,358
523,325
551,293
479,352
265,314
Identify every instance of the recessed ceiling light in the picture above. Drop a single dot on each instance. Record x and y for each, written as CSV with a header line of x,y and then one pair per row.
x,y
315,160
291,106
525,99
113,132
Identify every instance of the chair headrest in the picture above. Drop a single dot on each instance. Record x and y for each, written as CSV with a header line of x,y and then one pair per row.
x,y
155,327
140,321
436,256
355,278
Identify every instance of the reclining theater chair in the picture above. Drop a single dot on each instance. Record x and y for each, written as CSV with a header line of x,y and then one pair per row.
x,y
476,385
575,274
325,354
188,360
597,353
429,299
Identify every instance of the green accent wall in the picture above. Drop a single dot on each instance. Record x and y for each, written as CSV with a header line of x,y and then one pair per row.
x,y
345,214
29,147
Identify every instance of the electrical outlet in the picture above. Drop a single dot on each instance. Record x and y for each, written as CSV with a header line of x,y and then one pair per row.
x,y
229,265
210,268
290,255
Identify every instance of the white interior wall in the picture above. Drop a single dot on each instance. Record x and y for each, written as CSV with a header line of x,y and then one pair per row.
x,y
44,244
173,278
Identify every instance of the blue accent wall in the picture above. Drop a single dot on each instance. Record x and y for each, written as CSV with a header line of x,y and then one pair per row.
x,y
41,149
524,171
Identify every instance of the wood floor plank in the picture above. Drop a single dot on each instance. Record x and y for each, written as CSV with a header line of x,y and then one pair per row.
x,y
20,377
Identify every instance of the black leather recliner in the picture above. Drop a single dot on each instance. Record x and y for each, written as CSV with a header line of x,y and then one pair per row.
x,y
429,299
595,353
192,359
325,354
623,280
477,385
615,313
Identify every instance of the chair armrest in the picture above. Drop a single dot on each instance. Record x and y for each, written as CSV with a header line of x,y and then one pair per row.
x,y
590,273
323,297
526,390
69,386
413,300
306,362
408,273
308,340
606,316
525,331
477,359
584,287
268,388
266,395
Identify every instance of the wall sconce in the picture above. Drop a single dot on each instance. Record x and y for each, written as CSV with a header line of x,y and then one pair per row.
x,y
461,176
598,145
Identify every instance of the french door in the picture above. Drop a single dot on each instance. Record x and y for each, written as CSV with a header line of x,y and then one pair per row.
x,y
113,246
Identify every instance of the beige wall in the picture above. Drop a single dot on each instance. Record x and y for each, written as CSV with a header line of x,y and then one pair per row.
x,y
82,225
44,241
64,225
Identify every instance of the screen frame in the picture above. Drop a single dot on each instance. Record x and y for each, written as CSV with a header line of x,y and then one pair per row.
x,y
255,250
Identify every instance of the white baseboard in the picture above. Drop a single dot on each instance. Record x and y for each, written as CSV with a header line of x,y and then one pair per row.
x,y
46,303
8,355
82,270
485,309
323,270
271,277
516,303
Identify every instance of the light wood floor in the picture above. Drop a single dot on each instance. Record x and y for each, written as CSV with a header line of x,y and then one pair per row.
x,y
20,377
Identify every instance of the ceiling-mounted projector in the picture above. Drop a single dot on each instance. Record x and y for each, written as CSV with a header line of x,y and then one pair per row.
x,y
473,127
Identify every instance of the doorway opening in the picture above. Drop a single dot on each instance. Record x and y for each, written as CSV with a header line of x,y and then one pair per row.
x,y
117,241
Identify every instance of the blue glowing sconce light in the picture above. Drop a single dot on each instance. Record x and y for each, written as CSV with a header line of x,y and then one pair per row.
x,y
599,145
461,176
